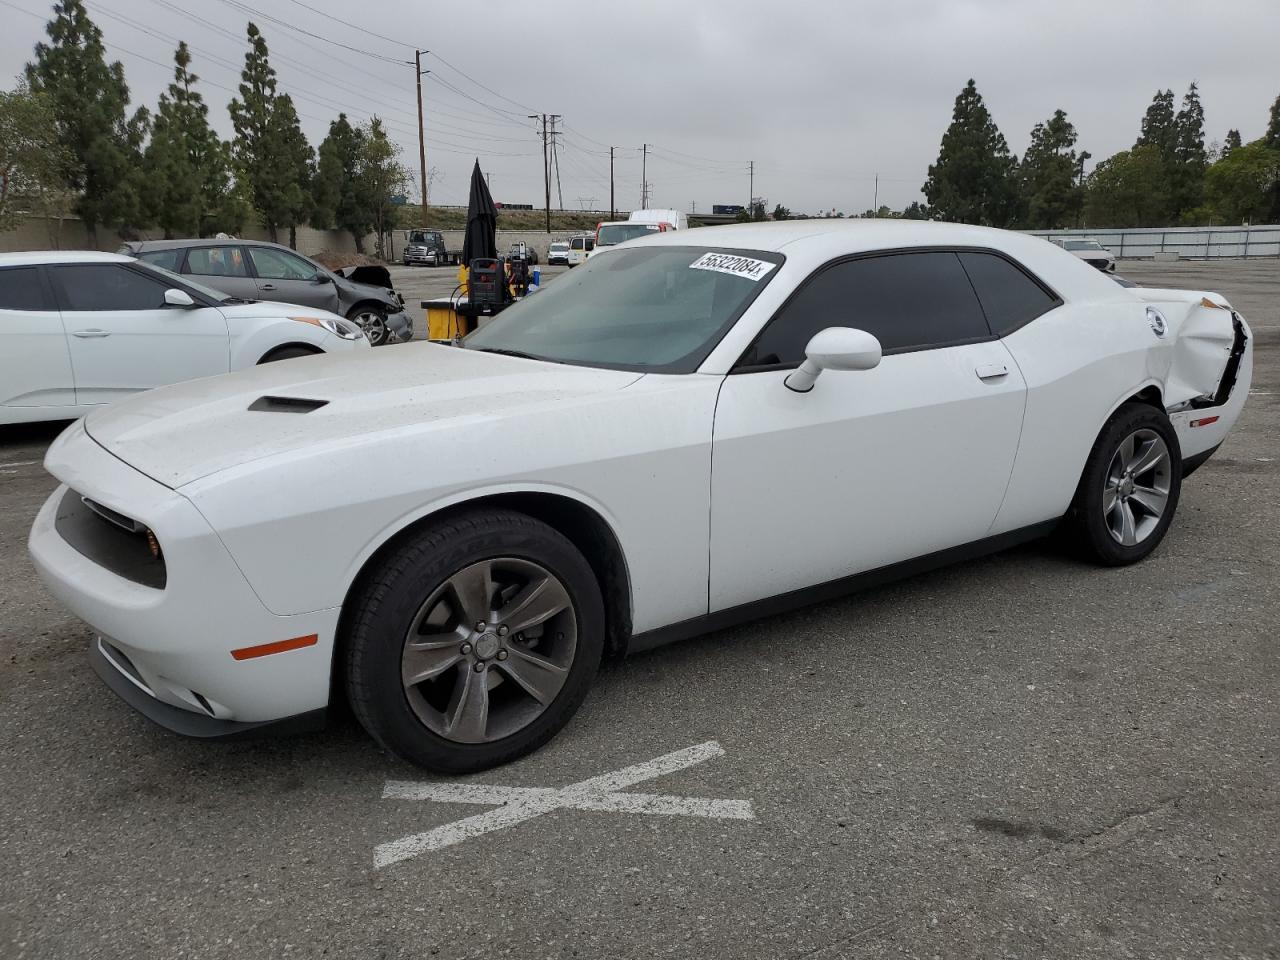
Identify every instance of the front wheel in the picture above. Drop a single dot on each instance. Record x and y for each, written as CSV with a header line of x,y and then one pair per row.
x,y
1129,490
373,321
474,641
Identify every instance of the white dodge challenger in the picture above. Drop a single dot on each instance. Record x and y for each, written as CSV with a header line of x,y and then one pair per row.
x,y
695,429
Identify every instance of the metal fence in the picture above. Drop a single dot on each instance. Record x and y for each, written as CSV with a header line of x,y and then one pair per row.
x,y
1193,243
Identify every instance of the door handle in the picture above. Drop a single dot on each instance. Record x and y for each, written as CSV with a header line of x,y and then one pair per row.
x,y
991,371
267,286
89,334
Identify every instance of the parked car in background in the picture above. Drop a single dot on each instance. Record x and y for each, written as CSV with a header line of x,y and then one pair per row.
x,y
427,248
1091,252
523,250
456,538
580,248
674,219
80,330
558,253
257,270
610,234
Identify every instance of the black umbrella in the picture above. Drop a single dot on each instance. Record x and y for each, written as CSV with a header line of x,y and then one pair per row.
x,y
481,238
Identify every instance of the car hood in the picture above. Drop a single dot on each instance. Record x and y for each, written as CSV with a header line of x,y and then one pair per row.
x,y
366,290
266,309
181,433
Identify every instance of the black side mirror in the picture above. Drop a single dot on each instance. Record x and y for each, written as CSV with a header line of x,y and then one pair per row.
x,y
322,278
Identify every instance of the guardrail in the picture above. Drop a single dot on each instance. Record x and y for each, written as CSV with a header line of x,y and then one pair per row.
x,y
1194,243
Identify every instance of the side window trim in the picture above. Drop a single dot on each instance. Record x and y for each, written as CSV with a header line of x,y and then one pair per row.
x,y
740,367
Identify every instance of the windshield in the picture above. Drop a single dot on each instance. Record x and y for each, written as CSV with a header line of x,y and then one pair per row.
x,y
1081,245
614,233
559,246
660,309
185,282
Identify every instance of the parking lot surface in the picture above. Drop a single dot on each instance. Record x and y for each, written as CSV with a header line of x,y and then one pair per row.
x,y
1022,756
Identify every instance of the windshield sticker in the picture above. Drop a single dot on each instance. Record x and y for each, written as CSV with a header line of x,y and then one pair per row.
x,y
753,270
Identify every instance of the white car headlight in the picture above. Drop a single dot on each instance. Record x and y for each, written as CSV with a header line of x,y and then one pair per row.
x,y
335,325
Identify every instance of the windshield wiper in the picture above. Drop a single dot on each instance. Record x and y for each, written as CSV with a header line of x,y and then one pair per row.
x,y
511,353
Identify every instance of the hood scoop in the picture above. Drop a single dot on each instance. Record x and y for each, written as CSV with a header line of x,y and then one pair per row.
x,y
286,405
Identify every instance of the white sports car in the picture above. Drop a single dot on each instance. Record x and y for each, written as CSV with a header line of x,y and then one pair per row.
x,y
697,428
81,329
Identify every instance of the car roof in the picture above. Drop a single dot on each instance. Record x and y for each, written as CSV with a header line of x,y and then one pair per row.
x,y
28,258
144,245
810,243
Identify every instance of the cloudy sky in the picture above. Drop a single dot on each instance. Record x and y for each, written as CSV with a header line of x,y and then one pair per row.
x,y
822,95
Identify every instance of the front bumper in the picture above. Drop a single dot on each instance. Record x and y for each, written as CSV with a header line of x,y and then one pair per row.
x,y
418,257
179,640
399,327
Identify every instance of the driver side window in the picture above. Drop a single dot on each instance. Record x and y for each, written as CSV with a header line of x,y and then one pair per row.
x,y
278,265
908,301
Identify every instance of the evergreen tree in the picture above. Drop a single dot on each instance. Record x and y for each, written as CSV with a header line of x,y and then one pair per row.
x,y
915,210
973,179
89,101
1158,125
1231,143
337,195
1051,196
1272,137
1189,160
272,158
297,163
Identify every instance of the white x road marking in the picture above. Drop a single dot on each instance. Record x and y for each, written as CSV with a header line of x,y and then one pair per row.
x,y
518,804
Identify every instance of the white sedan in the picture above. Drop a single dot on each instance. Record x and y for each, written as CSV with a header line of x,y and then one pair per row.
x,y
695,429
1091,252
79,330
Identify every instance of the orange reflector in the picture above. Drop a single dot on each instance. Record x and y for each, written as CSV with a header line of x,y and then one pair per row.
x,y
280,646
1204,422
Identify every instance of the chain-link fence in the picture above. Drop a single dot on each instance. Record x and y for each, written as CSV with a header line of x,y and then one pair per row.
x,y
1198,243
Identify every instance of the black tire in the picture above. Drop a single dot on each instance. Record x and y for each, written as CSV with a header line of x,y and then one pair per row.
x,y
288,353
374,324
1089,523
390,599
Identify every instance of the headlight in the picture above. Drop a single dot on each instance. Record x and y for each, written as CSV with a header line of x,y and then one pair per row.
x,y
335,325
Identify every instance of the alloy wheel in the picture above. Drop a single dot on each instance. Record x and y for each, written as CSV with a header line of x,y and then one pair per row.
x,y
1135,491
373,324
489,650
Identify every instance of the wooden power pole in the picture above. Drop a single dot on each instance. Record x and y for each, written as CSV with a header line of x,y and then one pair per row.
x,y
422,139
612,211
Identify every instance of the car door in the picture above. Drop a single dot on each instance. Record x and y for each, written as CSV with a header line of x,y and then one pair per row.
x,y
35,365
289,278
870,467
223,267
124,339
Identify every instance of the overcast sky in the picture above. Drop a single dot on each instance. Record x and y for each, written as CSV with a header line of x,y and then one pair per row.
x,y
821,94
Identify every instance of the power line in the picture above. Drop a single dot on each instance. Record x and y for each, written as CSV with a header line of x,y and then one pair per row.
x,y
251,12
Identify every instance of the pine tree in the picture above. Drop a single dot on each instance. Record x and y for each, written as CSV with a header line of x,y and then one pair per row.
x,y
1272,136
1186,188
1051,197
272,158
1231,143
89,100
973,179
338,203
1158,125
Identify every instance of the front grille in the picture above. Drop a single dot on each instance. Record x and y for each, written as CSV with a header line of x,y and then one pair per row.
x,y
111,540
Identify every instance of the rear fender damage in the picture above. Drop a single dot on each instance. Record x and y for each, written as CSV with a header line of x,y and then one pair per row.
x,y
1206,341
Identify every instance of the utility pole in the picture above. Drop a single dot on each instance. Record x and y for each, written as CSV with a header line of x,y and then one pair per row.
x,y
644,179
751,188
875,198
555,159
422,139
612,210
546,166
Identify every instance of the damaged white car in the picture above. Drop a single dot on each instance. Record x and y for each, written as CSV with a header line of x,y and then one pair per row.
x,y
695,429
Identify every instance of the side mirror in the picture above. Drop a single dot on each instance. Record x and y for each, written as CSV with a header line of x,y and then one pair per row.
x,y
178,298
835,348
322,278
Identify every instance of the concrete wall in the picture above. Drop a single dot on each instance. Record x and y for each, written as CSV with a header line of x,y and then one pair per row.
x,y
41,234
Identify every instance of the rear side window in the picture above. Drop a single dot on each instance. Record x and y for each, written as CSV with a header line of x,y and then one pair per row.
x,y
107,286
909,301
169,259
21,289
1010,298
215,262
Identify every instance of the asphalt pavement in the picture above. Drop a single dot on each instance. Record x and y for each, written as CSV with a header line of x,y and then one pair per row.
x,y
1021,757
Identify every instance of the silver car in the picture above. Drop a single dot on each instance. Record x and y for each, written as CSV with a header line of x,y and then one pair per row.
x,y
256,270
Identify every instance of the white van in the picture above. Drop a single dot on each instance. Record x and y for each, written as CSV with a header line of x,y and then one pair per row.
x,y
674,219
580,248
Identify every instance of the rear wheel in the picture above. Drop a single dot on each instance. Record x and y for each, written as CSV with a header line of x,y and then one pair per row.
x,y
474,641
1129,490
